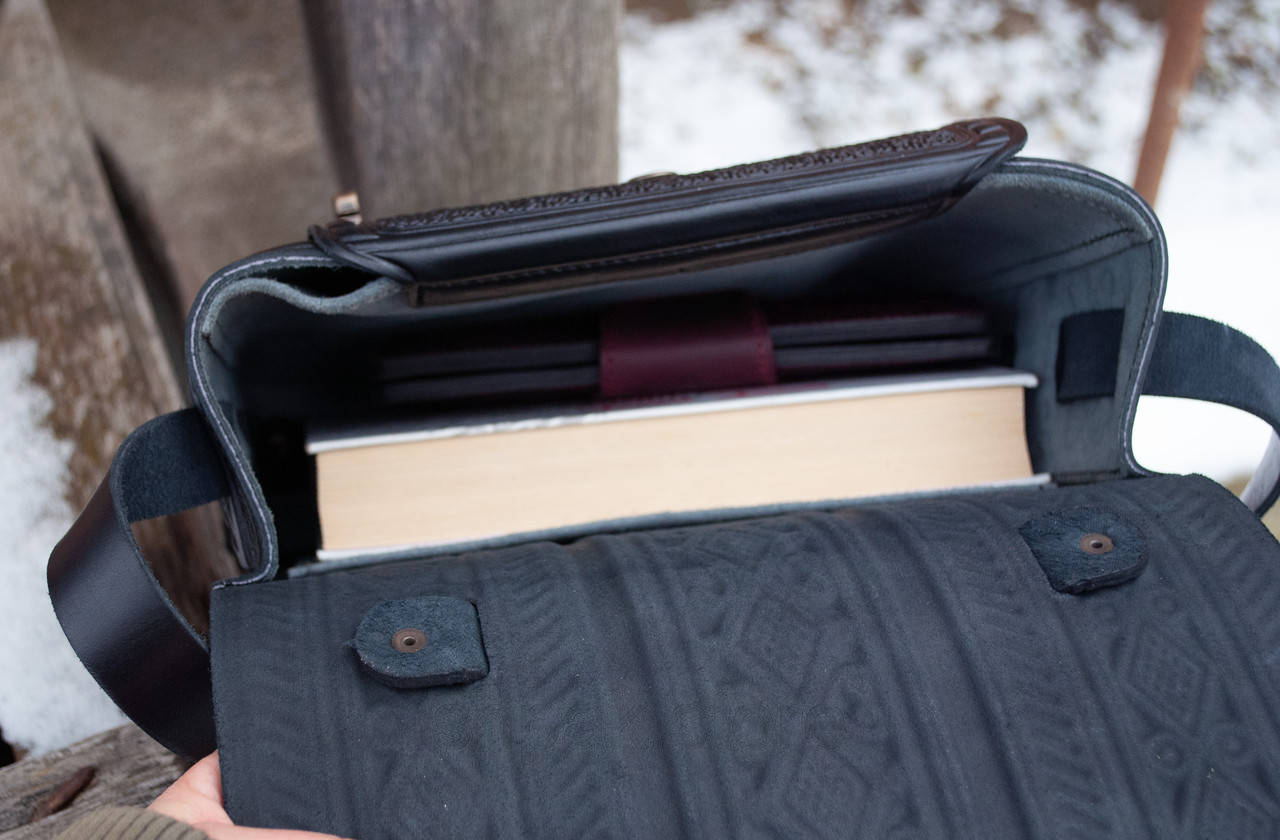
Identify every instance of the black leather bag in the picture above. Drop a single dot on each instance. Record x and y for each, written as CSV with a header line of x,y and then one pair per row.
x,y
1095,657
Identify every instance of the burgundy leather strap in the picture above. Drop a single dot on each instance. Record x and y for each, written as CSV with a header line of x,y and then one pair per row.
x,y
696,344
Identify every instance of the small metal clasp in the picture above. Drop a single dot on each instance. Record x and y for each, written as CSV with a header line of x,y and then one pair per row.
x,y
409,640
1096,544
648,176
346,206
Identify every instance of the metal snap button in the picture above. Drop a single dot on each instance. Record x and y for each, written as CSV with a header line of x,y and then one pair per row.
x,y
409,640
1096,544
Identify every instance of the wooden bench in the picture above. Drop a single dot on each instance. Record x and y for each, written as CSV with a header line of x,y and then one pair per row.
x,y
108,226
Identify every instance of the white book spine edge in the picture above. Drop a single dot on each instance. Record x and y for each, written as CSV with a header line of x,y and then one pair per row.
x,y
844,390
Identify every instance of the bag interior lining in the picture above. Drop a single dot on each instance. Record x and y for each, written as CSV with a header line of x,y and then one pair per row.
x,y
1032,244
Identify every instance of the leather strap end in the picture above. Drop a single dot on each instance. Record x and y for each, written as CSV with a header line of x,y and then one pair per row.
x,y
696,344
117,616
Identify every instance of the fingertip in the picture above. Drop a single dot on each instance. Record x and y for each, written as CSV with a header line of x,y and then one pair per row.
x,y
205,777
196,796
226,831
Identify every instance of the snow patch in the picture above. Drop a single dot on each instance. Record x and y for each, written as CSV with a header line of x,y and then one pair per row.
x,y
758,79
47,698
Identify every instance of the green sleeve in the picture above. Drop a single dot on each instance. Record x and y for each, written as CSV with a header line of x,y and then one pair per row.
x,y
129,824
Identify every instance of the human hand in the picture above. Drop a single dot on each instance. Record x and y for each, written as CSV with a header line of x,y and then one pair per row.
x,y
196,799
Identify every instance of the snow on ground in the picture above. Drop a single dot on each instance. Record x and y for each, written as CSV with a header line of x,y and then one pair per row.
x,y
760,79
47,699
750,81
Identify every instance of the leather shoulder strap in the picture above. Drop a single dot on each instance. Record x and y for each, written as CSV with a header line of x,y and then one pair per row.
x,y
1192,357
1202,359
115,613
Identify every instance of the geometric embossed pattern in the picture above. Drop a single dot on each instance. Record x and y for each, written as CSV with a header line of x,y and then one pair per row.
x,y
778,636
897,670
1228,812
825,791
1167,672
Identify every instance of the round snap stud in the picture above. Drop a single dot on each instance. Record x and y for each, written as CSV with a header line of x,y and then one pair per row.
x,y
409,640
1096,544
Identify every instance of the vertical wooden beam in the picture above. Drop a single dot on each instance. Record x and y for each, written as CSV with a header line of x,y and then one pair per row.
x,y
67,277
206,110
69,283
1184,31
429,103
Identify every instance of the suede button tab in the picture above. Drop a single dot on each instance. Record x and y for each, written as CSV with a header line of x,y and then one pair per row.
x,y
1084,549
422,642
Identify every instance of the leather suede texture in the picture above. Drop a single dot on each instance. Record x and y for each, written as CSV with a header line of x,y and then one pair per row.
x,y
893,670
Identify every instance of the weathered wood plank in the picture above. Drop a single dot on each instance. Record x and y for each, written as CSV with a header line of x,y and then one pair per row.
x,y
438,102
68,283
207,112
129,769
67,278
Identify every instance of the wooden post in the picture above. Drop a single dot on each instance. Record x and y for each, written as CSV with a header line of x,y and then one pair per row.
x,y
67,277
442,102
206,111
69,283
1184,31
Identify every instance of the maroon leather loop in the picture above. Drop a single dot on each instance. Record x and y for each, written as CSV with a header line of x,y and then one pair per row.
x,y
693,344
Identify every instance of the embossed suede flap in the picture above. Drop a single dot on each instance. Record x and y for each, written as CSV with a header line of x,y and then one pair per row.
x,y
896,670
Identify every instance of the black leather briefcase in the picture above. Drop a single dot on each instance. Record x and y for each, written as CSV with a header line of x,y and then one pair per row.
x,y
1096,656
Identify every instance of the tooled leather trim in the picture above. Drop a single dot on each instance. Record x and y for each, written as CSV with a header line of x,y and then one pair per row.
x,y
876,149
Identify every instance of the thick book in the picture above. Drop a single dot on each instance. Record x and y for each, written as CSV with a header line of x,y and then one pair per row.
x,y
455,479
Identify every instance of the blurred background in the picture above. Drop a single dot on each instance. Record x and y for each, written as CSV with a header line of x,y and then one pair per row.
x,y
145,143
706,82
